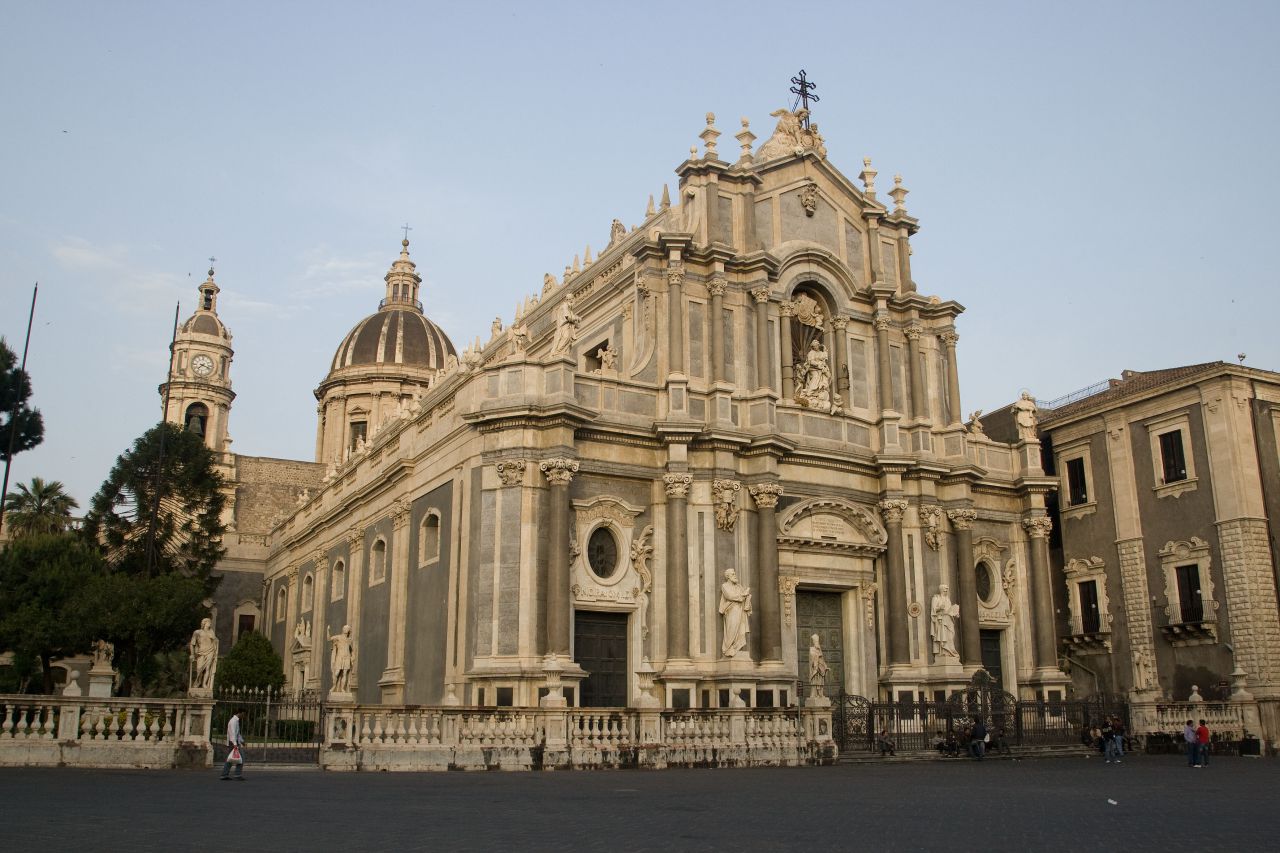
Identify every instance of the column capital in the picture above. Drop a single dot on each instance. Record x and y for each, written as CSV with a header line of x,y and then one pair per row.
x,y
675,273
400,514
893,509
913,332
840,323
949,338
962,519
1038,526
642,284
321,559
292,573
881,321
717,285
559,471
355,537
760,295
677,485
786,308
511,471
766,494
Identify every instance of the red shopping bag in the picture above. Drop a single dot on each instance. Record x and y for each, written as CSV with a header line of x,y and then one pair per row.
x,y
235,757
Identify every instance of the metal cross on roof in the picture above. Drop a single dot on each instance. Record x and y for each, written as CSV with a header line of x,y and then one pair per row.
x,y
803,89
406,229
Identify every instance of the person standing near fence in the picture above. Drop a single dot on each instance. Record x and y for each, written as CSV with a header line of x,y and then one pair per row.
x,y
978,739
1202,738
1116,745
235,750
1193,744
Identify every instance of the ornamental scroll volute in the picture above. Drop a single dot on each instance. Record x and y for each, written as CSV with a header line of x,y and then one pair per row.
x,y
605,538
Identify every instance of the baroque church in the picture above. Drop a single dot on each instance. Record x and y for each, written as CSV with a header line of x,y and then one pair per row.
x,y
734,429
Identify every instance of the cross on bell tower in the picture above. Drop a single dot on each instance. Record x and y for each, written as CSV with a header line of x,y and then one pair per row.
x,y
803,88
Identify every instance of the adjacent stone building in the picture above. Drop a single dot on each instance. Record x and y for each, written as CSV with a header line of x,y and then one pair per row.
x,y
748,380
1164,559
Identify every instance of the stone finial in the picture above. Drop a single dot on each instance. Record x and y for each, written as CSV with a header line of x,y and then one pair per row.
x,y
586,257
693,152
568,271
666,198
709,135
899,195
649,209
868,177
745,139
577,264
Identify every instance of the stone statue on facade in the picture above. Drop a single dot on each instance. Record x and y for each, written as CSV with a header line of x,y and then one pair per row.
x,y
520,336
1024,415
302,634
724,493
790,136
608,357
203,649
942,623
815,378
617,231
974,425
548,283
340,657
495,328
735,607
566,328
103,653
817,666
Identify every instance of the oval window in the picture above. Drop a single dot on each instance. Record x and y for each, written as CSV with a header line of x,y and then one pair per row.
x,y
984,581
602,552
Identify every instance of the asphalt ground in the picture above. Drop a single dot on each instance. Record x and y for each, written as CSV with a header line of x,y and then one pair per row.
x,y
1061,804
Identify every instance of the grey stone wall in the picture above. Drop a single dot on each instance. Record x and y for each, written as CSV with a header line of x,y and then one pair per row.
x,y
234,588
270,487
427,611
375,604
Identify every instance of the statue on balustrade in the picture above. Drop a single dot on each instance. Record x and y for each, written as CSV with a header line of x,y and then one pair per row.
x,y
340,658
204,656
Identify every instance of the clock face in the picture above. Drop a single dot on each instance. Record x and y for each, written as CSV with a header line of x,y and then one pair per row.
x,y
202,365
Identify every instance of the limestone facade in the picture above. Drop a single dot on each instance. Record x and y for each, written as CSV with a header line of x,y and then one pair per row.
x,y
748,379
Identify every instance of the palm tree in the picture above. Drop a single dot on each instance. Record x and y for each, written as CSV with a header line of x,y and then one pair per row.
x,y
42,507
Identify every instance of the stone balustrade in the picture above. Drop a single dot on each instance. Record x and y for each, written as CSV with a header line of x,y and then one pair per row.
x,y
110,732
1226,718
378,737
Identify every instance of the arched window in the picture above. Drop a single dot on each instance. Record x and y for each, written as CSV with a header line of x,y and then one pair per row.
x,y
196,418
339,581
429,539
282,603
308,592
378,562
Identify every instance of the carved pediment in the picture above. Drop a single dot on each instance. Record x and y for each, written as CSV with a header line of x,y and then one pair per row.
x,y
835,524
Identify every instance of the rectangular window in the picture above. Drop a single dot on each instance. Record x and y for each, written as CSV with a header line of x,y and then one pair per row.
x,y
1090,618
1077,485
358,430
1190,599
245,624
1171,456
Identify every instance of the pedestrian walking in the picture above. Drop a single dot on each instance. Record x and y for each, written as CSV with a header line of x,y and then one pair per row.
x,y
1192,739
978,739
1202,737
1116,746
235,750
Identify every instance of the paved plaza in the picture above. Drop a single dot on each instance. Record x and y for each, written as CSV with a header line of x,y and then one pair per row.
x,y
1147,803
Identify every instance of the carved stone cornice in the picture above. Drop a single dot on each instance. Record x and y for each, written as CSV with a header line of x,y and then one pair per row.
x,y
893,509
766,494
1038,526
511,471
760,295
677,485
559,471
962,519
949,338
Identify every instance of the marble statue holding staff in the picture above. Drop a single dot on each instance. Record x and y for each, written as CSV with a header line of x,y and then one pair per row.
x,y
735,606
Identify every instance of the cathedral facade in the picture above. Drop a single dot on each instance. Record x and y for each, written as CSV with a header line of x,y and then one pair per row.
x,y
731,437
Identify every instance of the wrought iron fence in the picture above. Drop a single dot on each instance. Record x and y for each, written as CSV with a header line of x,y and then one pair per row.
x,y
277,727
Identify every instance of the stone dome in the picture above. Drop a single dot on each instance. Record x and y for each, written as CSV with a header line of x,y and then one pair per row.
x,y
394,335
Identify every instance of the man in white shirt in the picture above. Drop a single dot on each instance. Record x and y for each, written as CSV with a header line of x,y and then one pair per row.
x,y
235,750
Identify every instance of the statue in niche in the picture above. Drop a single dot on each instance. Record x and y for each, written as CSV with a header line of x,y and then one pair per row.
x,y
808,311
1142,670
942,623
815,378
203,649
735,607
302,634
340,657
817,666
608,357
566,328
1024,415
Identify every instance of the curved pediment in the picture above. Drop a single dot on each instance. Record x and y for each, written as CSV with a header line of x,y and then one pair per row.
x,y
832,524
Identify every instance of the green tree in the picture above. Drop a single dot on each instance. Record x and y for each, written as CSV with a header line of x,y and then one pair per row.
x,y
158,521
42,507
15,389
160,513
46,599
251,664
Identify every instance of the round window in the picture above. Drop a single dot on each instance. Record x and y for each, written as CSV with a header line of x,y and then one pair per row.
x,y
983,572
602,552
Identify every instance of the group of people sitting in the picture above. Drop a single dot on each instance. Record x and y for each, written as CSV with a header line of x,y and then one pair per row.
x,y
1108,738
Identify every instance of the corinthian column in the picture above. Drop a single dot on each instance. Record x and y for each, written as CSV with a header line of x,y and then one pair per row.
x,y
950,339
785,310
895,582
967,586
1043,627
763,373
919,405
766,496
840,355
392,681
884,372
355,595
716,288
677,486
675,315
559,473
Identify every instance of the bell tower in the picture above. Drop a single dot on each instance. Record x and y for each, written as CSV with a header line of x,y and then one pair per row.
x,y
199,384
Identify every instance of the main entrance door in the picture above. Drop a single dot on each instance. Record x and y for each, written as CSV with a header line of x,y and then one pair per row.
x,y
990,642
820,613
600,648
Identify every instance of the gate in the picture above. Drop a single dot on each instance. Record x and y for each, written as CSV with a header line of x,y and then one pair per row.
x,y
914,726
277,727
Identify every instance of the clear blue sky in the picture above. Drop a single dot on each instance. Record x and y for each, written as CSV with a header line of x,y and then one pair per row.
x,y
1096,181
